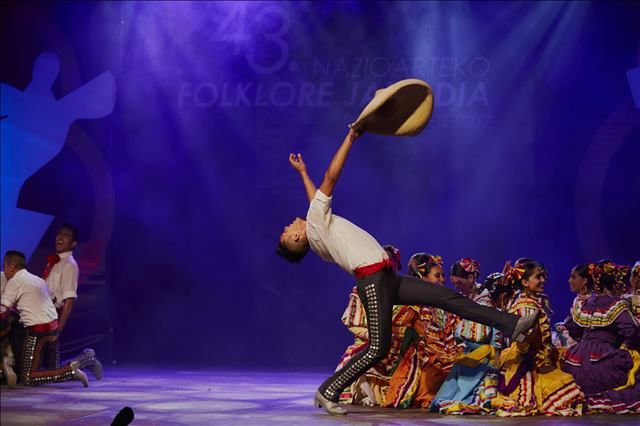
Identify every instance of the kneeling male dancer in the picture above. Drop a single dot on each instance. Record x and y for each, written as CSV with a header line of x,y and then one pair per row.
x,y
337,240
29,296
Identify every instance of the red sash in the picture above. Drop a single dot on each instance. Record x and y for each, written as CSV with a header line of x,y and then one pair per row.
x,y
44,328
365,271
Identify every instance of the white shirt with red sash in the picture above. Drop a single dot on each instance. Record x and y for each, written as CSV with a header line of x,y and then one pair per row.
x,y
337,240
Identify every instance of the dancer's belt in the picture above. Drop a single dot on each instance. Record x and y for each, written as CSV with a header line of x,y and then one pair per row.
x,y
44,328
365,271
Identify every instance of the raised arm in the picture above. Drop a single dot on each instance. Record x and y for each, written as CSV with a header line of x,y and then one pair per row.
x,y
298,164
337,163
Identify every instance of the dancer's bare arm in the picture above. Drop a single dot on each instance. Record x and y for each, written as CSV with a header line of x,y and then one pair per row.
x,y
337,163
298,164
64,315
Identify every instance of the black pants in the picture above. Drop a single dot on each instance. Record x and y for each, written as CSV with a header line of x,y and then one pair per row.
x,y
51,355
378,293
31,358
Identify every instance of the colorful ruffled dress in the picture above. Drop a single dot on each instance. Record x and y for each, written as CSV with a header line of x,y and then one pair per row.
x,y
605,362
529,381
427,356
563,340
472,383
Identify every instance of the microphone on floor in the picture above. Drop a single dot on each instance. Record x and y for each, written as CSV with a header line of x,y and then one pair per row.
x,y
123,418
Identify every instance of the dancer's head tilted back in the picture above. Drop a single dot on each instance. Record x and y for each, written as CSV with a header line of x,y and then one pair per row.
x,y
293,244
66,238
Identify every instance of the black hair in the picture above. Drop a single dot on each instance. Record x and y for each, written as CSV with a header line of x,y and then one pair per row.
x,y
73,229
292,256
15,258
530,260
529,266
583,271
458,271
421,264
613,281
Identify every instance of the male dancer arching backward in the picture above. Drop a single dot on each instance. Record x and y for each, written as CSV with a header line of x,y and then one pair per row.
x,y
337,240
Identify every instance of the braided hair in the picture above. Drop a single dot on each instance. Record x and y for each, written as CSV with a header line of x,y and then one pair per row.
x,y
421,264
522,271
607,276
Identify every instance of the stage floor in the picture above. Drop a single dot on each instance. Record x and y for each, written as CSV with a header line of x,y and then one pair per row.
x,y
163,396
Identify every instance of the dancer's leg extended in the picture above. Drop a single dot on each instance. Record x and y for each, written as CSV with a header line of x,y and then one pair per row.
x,y
377,293
412,291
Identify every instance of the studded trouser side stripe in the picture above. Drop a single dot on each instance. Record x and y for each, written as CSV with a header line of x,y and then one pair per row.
x,y
378,293
31,356
378,306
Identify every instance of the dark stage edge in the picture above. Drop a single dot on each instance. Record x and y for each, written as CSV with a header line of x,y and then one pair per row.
x,y
170,396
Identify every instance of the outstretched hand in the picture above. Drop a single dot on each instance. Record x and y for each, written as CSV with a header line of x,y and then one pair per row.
x,y
297,162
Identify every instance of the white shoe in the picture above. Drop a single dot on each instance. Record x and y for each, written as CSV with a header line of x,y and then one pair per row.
x,y
331,407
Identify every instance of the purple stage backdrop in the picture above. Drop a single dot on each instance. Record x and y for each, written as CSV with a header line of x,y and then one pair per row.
x,y
179,117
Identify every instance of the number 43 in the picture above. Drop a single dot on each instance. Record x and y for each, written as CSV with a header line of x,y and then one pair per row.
x,y
238,14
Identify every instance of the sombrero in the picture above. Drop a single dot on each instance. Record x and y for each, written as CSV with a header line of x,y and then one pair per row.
x,y
402,109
